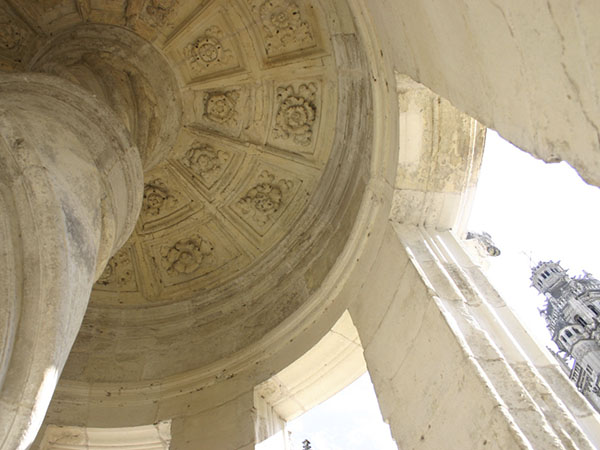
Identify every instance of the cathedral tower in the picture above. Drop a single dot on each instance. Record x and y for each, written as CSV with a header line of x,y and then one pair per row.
x,y
571,311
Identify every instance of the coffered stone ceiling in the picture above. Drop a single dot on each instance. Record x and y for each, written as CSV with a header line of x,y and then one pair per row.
x,y
256,158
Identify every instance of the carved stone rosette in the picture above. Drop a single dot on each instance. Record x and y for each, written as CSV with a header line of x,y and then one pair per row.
x,y
221,107
158,11
186,255
296,113
284,27
264,200
157,198
208,51
206,162
119,273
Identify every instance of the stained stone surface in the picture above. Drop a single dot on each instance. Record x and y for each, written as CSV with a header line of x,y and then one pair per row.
x,y
241,113
280,141
70,193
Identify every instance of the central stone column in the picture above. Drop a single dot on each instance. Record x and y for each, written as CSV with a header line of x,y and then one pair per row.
x,y
71,185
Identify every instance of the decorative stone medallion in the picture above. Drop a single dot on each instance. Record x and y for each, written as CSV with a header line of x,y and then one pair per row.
x,y
157,199
159,10
296,113
208,51
220,107
206,162
284,27
262,202
119,272
186,255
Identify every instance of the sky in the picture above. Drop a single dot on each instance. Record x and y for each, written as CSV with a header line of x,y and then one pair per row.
x,y
534,211
350,420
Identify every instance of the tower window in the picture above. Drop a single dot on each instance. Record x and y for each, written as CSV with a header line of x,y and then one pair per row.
x,y
580,320
593,309
568,333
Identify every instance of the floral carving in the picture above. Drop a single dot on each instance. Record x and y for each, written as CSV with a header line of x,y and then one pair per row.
x,y
283,25
157,198
265,199
206,162
220,107
207,50
159,10
11,35
119,272
296,113
186,256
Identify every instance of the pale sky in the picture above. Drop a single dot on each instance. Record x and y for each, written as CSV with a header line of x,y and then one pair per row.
x,y
538,210
534,211
350,420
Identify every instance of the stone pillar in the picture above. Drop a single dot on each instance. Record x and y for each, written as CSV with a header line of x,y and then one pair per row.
x,y
70,193
228,426
71,184
440,348
125,72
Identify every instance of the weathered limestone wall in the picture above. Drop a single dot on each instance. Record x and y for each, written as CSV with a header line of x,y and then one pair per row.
x,y
527,69
439,154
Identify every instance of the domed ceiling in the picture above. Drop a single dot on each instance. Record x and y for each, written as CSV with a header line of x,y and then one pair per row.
x,y
247,209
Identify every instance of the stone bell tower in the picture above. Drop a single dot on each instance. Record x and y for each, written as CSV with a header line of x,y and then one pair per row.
x,y
572,314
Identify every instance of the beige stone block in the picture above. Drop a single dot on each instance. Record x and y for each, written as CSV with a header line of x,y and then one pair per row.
x,y
375,294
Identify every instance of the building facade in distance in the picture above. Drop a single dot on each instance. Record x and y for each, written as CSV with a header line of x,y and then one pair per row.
x,y
572,313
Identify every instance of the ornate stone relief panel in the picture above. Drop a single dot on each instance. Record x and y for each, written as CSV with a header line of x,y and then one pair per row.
x,y
296,117
206,163
285,26
241,112
157,12
186,256
296,114
265,202
166,202
221,110
207,51
201,252
119,274
206,48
